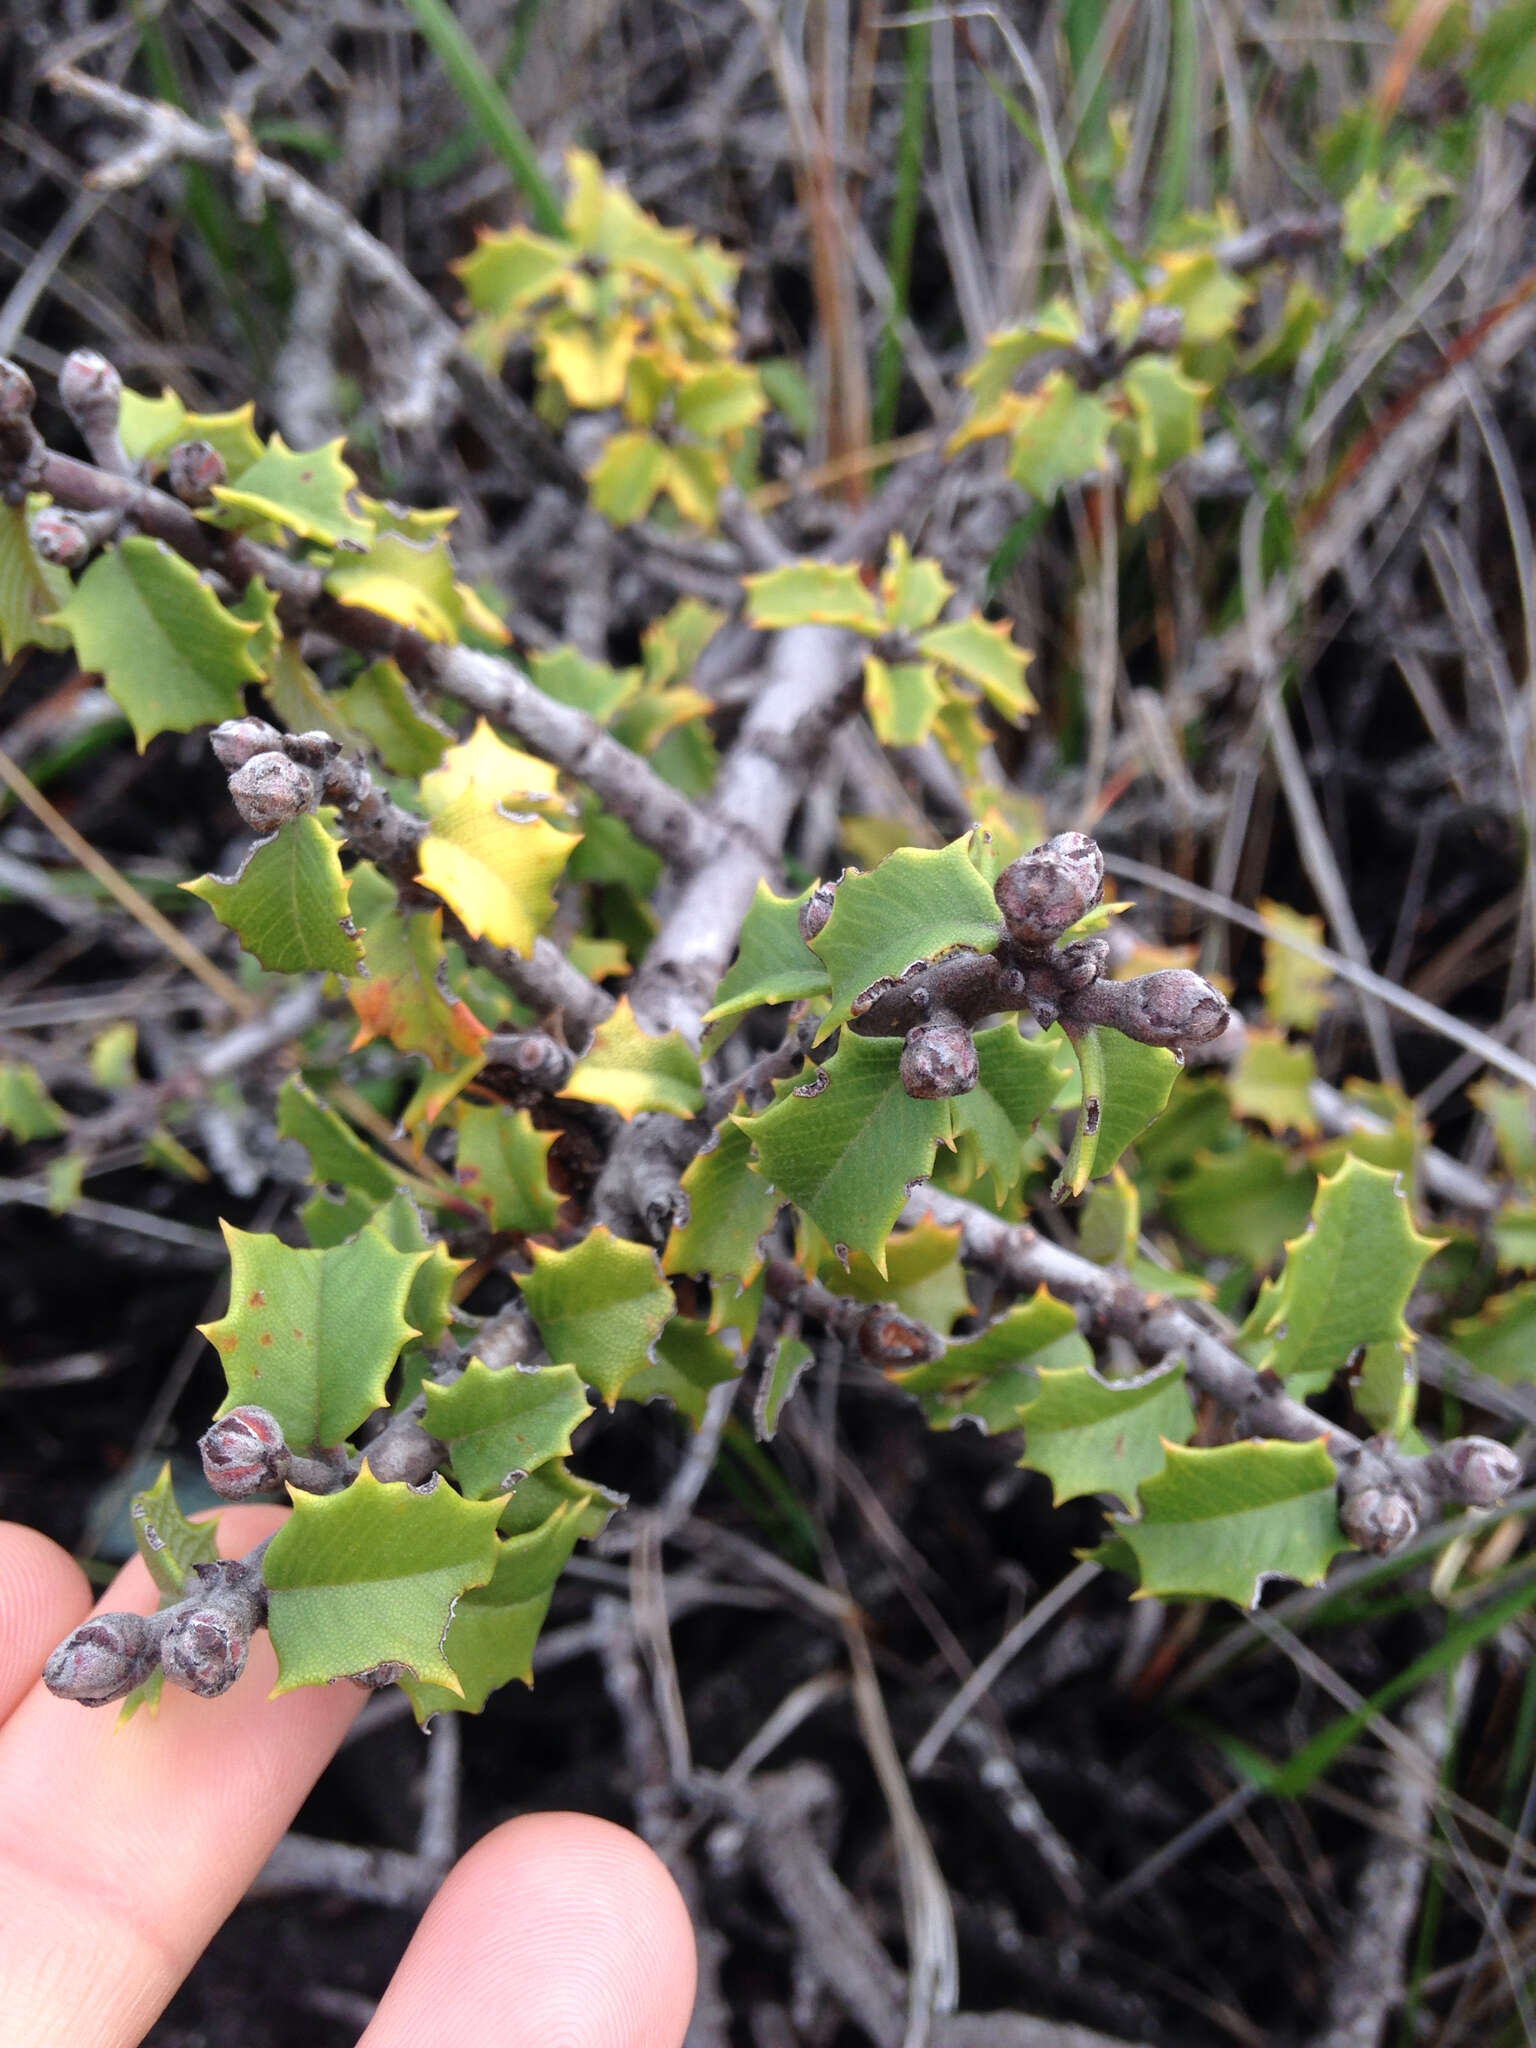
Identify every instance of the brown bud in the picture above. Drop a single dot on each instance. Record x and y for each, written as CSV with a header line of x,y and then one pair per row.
x,y
193,469
237,739
17,396
1377,1520
103,1660
1043,893
270,789
889,1339
58,537
1174,1007
244,1453
204,1648
90,388
939,1060
1478,1470
816,909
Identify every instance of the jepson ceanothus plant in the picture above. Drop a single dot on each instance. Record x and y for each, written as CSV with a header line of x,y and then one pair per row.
x,y
668,1210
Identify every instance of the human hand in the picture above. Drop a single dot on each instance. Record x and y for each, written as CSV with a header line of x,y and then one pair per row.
x,y
122,1852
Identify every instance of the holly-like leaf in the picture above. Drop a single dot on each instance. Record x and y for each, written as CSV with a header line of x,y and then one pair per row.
x,y
305,490
629,1070
1059,434
1018,1080
690,1361
335,1151
987,1378
1125,1085
781,1376
730,1208
773,963
487,855
27,1110
429,1305
372,1575
566,674
1210,298
628,476
403,996
1347,1281
1378,210
534,1499
114,1062
1295,989
720,400
507,271
495,1626
168,1543
1245,1203
151,427
30,589
1218,1523
916,905
1501,1339
1097,1436
985,654
500,1426
903,699
404,581
311,1335
1513,1231
813,593
1386,1389
1272,1080
599,1306
1511,1110
288,903
1164,425
169,652
503,1167
923,1275
382,707
847,1149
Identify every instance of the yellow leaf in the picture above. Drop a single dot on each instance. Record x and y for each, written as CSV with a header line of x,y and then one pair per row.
x,y
590,368
493,771
486,856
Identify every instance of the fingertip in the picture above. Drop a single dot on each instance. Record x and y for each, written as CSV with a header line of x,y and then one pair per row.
x,y
558,1928
43,1595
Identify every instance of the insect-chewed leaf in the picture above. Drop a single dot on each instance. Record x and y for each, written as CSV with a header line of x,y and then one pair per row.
x,y
689,1362
30,589
988,1378
311,1335
1272,1080
1125,1085
1019,1080
629,1070
500,1426
813,593
305,490
987,656
27,1110
170,654
503,1167
168,1543
405,581
848,1154
915,905
1295,988
336,1153
370,1576
599,1306
1218,1523
1501,1339
773,963
1346,1282
288,904
730,1207
495,1626
402,997
496,870
1095,1436
380,705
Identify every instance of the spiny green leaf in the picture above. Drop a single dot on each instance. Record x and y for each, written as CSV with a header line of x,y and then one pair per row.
x,y
1347,1281
813,593
629,1070
902,699
773,963
1218,1523
1019,1079
985,654
730,1208
370,1576
495,1626
1295,989
1125,1085
381,706
1210,298
1386,1389
335,1151
916,905
1245,1203
987,1378
1272,1080
403,995
566,674
404,581
1378,210
288,903
535,1499
689,1362
429,1305
305,490
500,1426
168,1543
923,1275
1512,1112
1059,434
503,1166
847,1151
1094,1436
170,654
913,592
507,271
27,1110
599,1306
1501,1339
311,1335
627,477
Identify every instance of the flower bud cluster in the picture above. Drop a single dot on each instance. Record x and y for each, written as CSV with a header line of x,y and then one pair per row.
x,y
201,1644
275,776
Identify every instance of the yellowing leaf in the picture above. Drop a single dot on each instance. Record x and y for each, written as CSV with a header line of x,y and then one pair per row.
x,y
410,584
1295,988
985,654
1272,1081
902,699
631,1071
305,490
813,593
506,272
496,870
590,367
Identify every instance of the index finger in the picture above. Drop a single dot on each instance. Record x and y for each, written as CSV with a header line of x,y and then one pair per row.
x,y
123,1850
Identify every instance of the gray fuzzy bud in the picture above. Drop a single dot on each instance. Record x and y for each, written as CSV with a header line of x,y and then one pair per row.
x,y
90,388
204,1648
270,789
1174,1007
103,1660
1377,1520
237,739
193,469
1045,892
1478,1471
939,1060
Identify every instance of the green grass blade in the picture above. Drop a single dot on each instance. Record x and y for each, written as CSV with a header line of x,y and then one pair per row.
x,y
909,186
1182,118
487,107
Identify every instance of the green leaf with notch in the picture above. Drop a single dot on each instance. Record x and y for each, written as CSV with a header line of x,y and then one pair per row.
x,y
813,593
988,1378
773,963
730,1208
986,655
1098,1436
1218,1523
690,1362
305,490
599,1306
503,1167
1125,1085
630,1071
403,996
381,705
336,1153
500,1426
288,903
